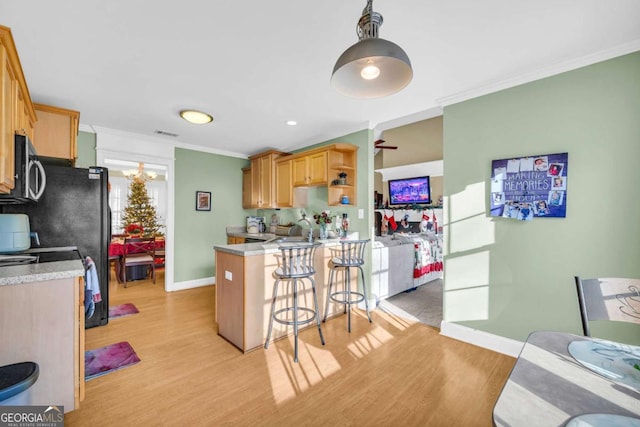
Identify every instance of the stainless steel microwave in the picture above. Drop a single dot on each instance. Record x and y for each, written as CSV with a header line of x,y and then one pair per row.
x,y
30,177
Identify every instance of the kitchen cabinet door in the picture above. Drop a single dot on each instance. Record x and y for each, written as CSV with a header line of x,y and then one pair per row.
x,y
267,179
284,189
23,124
246,188
263,179
310,170
317,165
56,132
300,171
7,91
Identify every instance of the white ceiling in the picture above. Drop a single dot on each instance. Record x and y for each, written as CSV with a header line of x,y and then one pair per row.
x,y
132,65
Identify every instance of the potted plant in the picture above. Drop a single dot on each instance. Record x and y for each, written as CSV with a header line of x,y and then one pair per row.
x,y
322,219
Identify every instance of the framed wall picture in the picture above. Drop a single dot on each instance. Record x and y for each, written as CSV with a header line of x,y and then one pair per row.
x,y
530,187
203,200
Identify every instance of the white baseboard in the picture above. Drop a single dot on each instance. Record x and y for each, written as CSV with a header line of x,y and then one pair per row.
x,y
189,284
483,339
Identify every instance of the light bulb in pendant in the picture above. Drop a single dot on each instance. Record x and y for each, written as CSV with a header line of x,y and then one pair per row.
x,y
370,72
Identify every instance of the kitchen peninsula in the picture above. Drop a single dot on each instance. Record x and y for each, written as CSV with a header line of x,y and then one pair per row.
x,y
244,286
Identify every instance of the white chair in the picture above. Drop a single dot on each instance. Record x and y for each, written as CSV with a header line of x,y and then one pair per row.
x,y
614,299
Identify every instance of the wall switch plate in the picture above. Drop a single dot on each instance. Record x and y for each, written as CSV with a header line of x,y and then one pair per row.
x,y
360,213
228,275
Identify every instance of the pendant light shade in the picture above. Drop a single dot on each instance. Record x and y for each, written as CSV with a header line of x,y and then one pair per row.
x,y
373,67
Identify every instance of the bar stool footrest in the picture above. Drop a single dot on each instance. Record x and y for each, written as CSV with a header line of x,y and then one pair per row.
x,y
291,322
346,297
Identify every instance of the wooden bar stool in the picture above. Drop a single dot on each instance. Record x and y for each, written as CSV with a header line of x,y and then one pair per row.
x,y
351,255
297,265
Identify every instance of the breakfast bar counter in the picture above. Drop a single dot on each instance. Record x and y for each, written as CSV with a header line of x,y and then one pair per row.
x,y
244,286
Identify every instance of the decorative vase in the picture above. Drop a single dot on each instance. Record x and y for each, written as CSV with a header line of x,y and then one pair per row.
x,y
323,232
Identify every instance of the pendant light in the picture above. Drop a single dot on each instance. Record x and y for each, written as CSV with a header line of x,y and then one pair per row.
x,y
373,67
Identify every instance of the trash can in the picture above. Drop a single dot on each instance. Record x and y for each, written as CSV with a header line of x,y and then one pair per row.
x,y
16,381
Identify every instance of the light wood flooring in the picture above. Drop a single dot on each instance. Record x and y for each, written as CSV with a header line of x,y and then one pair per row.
x,y
388,373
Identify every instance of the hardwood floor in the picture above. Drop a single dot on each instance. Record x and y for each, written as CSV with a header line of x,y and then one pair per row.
x,y
391,372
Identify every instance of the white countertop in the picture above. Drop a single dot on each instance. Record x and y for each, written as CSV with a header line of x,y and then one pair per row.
x,y
29,273
259,248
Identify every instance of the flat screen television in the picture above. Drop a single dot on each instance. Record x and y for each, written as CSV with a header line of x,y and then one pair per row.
x,y
409,191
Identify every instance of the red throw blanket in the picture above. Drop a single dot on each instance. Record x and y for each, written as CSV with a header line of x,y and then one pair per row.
x,y
428,257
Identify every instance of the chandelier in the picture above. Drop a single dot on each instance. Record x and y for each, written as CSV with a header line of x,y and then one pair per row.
x,y
139,175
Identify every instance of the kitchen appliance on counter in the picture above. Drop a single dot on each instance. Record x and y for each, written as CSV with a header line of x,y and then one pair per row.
x,y
74,211
255,224
30,176
15,233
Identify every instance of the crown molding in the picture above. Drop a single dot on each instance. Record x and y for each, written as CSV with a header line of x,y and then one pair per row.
x,y
157,140
541,73
433,168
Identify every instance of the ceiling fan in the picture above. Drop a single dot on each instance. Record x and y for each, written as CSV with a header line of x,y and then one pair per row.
x,y
386,147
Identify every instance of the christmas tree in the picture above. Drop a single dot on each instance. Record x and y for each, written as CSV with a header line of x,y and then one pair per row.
x,y
139,209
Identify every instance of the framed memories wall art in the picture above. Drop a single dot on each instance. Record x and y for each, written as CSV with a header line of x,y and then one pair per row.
x,y
525,188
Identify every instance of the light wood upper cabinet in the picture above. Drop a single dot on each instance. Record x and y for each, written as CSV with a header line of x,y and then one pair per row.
x,y
263,179
284,188
343,159
310,170
7,147
300,173
56,132
246,188
17,115
319,167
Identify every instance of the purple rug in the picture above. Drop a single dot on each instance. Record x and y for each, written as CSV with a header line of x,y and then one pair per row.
x,y
108,359
122,310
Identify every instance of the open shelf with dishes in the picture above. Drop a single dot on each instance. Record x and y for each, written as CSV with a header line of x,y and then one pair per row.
x,y
343,174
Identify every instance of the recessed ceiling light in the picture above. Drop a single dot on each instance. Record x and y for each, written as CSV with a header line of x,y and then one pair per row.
x,y
196,117
292,122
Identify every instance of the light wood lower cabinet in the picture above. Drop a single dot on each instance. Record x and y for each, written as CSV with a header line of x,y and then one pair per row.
x,y
234,240
43,322
244,289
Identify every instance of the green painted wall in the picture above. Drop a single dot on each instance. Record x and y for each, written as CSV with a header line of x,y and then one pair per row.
x,y
196,232
86,150
511,278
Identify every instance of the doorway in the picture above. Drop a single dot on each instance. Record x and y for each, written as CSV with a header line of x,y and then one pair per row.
x,y
121,152
412,148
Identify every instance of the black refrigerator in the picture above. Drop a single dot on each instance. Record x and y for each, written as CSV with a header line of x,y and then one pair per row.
x,y
74,211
